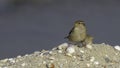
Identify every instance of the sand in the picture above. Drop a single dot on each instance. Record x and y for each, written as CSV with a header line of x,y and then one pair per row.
x,y
68,56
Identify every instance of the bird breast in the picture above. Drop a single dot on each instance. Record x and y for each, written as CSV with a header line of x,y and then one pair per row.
x,y
77,35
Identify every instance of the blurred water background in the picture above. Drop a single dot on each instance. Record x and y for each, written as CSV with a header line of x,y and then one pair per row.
x,y
32,25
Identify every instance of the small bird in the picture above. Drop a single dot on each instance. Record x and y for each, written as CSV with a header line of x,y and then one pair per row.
x,y
78,32
88,40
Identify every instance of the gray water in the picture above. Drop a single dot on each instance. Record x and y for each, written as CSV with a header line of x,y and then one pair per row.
x,y
27,27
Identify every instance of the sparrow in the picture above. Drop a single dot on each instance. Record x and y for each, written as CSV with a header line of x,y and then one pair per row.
x,y
78,33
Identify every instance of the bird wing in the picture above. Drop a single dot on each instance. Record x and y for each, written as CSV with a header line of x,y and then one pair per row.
x,y
70,32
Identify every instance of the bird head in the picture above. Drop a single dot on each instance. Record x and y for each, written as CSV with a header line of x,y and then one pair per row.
x,y
79,22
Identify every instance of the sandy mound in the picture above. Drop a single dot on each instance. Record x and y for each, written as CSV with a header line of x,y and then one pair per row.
x,y
68,56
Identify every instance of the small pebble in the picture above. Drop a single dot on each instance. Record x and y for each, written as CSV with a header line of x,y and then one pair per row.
x,y
81,51
19,56
89,46
92,59
60,51
88,65
96,62
37,52
44,62
11,60
63,46
51,58
23,64
103,43
26,55
50,52
117,47
70,50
